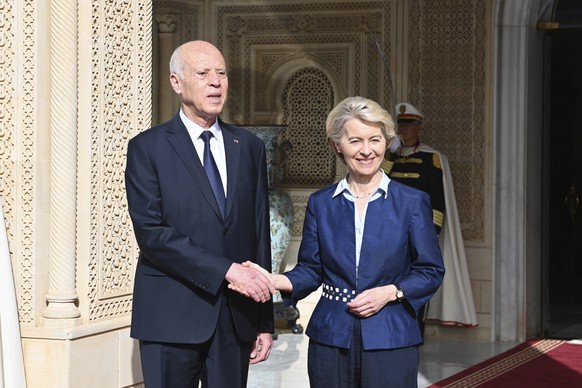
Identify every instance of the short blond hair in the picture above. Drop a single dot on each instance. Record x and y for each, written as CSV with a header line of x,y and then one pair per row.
x,y
360,108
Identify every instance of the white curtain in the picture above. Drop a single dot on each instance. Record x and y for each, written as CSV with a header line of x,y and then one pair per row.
x,y
11,358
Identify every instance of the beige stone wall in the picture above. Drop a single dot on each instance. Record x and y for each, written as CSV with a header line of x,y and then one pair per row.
x,y
78,79
76,82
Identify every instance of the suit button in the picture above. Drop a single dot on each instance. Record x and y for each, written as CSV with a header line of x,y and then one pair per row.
x,y
226,232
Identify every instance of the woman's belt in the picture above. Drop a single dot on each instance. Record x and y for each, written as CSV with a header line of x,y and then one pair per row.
x,y
337,294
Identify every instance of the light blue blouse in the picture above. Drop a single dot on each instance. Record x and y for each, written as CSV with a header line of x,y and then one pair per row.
x,y
359,223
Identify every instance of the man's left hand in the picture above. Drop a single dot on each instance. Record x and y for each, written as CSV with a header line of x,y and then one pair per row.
x,y
261,348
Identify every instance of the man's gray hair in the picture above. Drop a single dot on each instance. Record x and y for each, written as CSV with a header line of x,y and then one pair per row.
x,y
176,63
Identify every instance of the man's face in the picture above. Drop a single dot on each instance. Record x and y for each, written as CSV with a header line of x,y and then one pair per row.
x,y
204,85
409,131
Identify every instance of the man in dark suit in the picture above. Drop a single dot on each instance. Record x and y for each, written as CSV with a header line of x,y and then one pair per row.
x,y
192,240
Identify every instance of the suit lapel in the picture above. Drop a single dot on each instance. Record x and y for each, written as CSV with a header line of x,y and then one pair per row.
x,y
180,140
232,150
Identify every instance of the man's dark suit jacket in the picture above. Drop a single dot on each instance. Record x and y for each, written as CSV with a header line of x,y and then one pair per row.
x,y
185,246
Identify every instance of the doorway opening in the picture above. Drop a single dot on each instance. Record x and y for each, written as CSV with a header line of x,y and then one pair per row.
x,y
562,271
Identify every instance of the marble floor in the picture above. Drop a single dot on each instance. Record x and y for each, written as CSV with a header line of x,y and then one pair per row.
x,y
287,365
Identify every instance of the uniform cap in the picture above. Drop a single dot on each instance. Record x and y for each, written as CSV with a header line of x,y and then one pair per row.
x,y
406,111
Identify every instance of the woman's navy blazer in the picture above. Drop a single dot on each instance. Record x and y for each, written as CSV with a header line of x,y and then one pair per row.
x,y
400,245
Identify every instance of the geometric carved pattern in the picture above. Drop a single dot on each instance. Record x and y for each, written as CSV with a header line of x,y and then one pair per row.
x,y
186,23
307,98
297,51
299,207
120,106
447,73
18,134
19,230
447,53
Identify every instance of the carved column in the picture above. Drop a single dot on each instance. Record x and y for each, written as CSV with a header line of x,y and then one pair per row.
x,y
62,294
166,32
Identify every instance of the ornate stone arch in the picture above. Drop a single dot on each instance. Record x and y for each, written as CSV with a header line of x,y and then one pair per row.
x,y
277,79
298,90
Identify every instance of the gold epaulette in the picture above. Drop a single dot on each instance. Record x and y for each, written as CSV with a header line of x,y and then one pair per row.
x,y
436,161
413,175
438,218
387,166
409,160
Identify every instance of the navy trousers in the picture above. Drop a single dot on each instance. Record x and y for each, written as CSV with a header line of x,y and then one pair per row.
x,y
221,362
355,367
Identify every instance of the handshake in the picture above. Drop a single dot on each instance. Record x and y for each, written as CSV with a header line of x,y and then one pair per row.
x,y
253,281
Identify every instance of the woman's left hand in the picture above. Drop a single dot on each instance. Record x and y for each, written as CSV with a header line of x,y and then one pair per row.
x,y
369,302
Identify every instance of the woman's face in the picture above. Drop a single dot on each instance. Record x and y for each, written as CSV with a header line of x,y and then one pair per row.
x,y
363,147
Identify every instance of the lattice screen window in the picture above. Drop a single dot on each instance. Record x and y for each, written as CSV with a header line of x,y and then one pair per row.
x,y
307,99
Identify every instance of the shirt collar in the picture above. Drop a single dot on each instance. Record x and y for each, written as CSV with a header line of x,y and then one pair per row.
x,y
342,186
196,130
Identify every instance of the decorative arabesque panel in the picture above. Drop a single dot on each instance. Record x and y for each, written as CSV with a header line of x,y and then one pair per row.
x,y
327,63
121,106
307,99
184,17
447,76
18,144
291,63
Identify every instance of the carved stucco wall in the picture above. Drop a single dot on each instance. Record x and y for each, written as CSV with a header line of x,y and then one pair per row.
x,y
338,38
291,63
119,101
447,81
121,106
304,55
307,98
18,145
175,22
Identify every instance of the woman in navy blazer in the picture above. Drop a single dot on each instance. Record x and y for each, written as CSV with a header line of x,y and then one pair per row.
x,y
371,245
